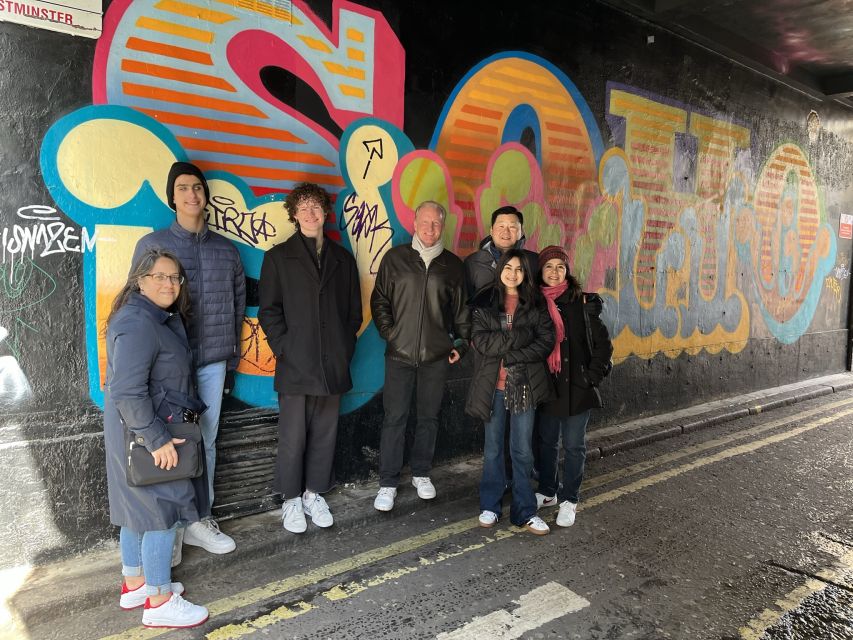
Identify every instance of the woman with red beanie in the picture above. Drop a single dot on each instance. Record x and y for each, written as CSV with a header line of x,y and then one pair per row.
x,y
579,361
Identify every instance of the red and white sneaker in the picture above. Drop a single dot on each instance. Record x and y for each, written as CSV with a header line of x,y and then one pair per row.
x,y
174,613
543,501
134,598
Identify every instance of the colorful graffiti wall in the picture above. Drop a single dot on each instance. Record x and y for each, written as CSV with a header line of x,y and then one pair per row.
x,y
688,191
660,223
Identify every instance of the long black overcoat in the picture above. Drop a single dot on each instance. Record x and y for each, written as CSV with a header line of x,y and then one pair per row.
x,y
147,354
311,317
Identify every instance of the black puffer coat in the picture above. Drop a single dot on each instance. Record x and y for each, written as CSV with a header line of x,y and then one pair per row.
x,y
528,342
585,353
217,288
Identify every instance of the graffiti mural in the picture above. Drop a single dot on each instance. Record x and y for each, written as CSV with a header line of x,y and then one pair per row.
x,y
695,243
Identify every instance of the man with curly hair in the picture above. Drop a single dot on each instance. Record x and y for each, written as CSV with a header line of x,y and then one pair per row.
x,y
310,310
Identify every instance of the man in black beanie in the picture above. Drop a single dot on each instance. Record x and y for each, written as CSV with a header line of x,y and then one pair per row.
x,y
217,288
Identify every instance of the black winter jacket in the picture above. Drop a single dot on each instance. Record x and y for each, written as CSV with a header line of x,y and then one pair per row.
x,y
529,342
420,312
311,317
585,355
217,289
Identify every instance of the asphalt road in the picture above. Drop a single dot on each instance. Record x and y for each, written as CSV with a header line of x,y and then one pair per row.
x,y
742,531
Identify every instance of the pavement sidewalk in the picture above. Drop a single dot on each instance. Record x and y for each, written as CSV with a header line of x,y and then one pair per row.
x,y
34,596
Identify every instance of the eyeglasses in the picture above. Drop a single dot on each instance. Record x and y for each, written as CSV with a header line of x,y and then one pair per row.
x,y
160,278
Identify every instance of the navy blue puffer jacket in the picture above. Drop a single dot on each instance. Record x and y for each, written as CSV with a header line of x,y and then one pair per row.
x,y
217,289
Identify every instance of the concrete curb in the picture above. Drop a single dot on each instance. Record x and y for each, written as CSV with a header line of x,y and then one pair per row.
x,y
672,428
71,586
47,596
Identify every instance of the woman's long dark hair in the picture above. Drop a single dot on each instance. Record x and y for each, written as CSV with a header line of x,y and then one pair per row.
x,y
143,267
528,292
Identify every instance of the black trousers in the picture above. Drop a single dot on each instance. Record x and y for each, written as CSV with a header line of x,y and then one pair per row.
x,y
307,431
401,380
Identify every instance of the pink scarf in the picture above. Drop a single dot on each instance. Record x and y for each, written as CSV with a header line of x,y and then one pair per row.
x,y
551,294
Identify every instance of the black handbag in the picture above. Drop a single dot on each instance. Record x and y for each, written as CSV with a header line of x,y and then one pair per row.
x,y
141,470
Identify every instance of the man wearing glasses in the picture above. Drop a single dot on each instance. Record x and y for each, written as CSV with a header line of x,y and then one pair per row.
x,y
217,288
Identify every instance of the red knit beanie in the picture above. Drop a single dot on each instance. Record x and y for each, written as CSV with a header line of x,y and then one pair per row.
x,y
551,252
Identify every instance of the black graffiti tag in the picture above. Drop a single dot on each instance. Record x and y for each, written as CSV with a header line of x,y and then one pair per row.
x,y
249,226
362,221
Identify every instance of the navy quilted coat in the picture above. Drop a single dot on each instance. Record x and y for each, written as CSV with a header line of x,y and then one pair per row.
x,y
217,289
147,353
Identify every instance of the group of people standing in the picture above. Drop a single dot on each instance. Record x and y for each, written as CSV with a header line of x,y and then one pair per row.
x,y
539,349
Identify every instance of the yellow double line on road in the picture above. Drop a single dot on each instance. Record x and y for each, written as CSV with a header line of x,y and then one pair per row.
x,y
281,587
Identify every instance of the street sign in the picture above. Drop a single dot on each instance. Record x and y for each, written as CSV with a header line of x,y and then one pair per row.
x,y
845,226
77,17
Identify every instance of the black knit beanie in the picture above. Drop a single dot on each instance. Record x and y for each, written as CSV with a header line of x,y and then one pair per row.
x,y
180,169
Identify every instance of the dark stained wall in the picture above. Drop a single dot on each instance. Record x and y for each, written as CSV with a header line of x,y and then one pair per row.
x,y
688,191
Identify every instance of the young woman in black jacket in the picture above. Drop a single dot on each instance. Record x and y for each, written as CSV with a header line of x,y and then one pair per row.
x,y
512,335
578,362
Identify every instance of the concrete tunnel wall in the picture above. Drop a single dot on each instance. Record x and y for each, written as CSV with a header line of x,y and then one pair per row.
x,y
691,193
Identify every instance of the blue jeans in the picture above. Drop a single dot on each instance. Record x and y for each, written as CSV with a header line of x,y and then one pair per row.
x,y
573,430
148,553
493,482
210,381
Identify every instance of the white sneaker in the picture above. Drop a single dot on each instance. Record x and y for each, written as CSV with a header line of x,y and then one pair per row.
x,y
133,598
488,519
385,498
566,516
177,547
206,534
537,526
293,516
543,502
175,612
426,490
317,508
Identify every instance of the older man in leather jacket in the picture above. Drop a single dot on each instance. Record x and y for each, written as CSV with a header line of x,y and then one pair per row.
x,y
419,307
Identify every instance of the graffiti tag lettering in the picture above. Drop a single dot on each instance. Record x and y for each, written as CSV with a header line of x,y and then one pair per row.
x,y
249,226
834,286
364,220
49,235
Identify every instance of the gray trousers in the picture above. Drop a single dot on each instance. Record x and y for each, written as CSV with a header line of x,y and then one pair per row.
x,y
307,431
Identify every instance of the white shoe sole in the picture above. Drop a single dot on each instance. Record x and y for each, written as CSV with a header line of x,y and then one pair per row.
x,y
130,601
215,549
295,529
165,624
324,524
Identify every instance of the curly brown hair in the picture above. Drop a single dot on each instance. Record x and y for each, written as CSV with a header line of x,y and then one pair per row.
x,y
306,191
